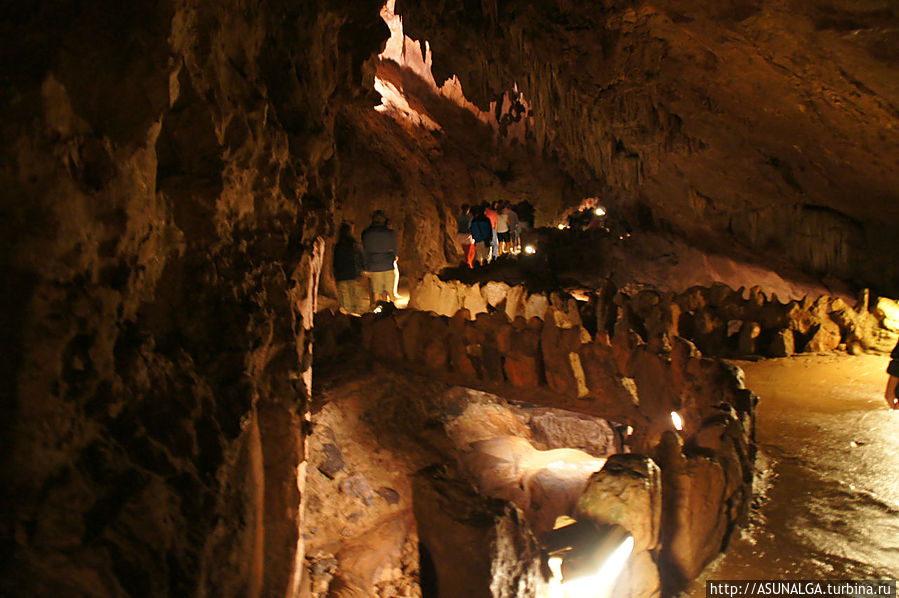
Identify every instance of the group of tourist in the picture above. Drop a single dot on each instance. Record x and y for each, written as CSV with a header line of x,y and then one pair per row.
x,y
368,275
487,231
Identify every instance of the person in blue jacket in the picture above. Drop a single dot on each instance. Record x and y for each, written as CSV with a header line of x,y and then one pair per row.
x,y
482,233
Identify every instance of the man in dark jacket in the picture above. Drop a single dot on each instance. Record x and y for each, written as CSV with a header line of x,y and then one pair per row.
x,y
379,250
893,381
347,271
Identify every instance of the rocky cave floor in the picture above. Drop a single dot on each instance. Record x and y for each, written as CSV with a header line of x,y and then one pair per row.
x,y
397,458
826,488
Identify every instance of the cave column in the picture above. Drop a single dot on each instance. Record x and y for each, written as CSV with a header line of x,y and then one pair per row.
x,y
284,417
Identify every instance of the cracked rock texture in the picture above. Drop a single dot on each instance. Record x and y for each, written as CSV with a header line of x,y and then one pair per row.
x,y
163,203
777,122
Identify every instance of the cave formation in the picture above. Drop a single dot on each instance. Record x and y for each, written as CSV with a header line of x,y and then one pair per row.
x,y
174,174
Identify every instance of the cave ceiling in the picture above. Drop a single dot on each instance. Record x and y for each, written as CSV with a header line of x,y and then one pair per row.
x,y
717,115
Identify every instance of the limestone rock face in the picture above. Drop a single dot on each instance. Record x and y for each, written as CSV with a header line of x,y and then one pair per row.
x,y
557,429
627,492
161,250
714,125
695,493
783,344
826,338
476,544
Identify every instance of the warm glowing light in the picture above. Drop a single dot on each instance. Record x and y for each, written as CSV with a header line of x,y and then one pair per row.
x,y
606,556
562,227
378,309
562,521
629,431
600,583
555,580
530,249
677,421
600,211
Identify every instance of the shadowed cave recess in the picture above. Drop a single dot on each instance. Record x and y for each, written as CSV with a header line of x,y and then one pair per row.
x,y
174,174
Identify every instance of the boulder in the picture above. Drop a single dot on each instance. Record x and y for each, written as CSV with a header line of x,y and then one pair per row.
x,y
554,428
495,293
413,334
457,347
557,346
536,306
473,300
782,345
627,491
887,313
426,293
522,364
449,301
464,532
749,334
515,302
801,319
695,519
481,420
825,339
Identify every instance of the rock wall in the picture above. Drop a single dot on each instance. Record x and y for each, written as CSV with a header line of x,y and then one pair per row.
x,y
774,122
721,322
707,468
165,168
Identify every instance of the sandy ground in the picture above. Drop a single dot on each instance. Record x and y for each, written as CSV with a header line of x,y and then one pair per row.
x,y
827,497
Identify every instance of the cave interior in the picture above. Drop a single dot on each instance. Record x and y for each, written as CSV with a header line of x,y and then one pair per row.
x,y
175,174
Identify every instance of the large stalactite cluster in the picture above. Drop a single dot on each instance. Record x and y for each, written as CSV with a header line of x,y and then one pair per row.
x,y
775,122
170,171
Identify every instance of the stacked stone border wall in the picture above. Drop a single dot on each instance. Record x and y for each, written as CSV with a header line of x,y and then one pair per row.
x,y
717,319
706,469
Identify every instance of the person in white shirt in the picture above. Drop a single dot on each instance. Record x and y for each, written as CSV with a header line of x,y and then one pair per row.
x,y
514,226
503,234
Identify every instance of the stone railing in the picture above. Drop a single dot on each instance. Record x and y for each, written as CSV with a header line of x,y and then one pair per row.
x,y
706,468
718,320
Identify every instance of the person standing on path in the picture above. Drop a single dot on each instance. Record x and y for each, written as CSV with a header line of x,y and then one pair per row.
x,y
463,235
482,233
491,215
348,271
379,251
893,380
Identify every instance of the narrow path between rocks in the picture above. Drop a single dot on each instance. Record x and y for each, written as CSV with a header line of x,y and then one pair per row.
x,y
827,501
